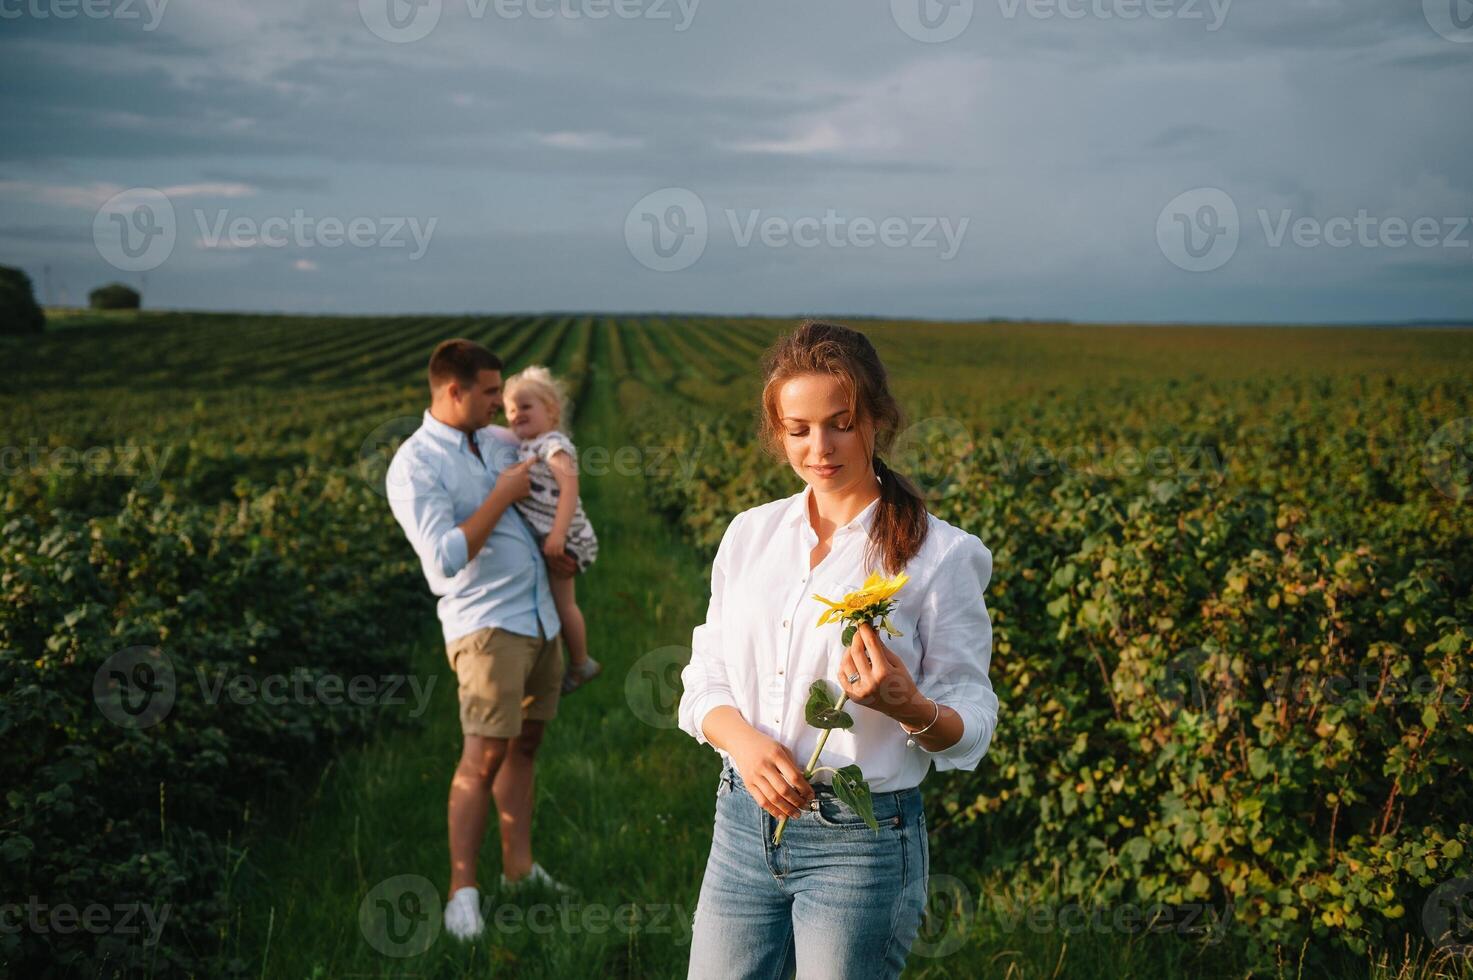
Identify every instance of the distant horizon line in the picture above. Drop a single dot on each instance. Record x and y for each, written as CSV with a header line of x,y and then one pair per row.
x,y
1420,323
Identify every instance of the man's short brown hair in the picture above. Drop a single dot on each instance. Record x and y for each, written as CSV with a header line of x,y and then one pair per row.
x,y
460,360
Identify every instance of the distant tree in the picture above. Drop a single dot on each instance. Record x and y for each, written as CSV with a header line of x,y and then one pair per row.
x,y
114,296
18,310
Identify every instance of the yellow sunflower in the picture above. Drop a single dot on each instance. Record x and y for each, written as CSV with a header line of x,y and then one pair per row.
x,y
876,590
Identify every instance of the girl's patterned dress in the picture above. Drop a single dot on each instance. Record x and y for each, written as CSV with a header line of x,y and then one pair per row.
x,y
540,506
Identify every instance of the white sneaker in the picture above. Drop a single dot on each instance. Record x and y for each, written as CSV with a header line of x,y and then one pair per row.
x,y
537,876
463,914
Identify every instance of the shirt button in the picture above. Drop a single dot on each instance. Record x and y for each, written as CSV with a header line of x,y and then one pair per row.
x,y
785,624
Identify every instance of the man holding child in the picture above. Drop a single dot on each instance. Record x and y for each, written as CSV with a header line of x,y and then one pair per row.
x,y
452,486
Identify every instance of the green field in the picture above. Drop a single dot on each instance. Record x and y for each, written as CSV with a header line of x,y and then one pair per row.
x,y
1232,603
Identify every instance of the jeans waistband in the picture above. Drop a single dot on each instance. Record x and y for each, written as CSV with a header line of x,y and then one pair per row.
x,y
729,773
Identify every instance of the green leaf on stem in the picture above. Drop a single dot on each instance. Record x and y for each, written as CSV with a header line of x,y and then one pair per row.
x,y
822,711
852,790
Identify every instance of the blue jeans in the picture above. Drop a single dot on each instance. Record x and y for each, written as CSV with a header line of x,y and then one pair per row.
x,y
835,899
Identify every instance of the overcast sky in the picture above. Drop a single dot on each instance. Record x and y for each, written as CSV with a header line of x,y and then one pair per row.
x,y
1192,160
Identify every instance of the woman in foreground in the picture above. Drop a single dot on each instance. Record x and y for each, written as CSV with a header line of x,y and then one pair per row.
x,y
831,897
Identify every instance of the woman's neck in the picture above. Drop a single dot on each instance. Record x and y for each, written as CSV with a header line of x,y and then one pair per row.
x,y
831,510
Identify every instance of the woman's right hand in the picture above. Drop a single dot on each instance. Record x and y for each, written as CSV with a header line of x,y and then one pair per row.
x,y
771,776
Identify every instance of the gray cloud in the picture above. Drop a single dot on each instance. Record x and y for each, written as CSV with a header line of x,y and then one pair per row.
x,y
269,181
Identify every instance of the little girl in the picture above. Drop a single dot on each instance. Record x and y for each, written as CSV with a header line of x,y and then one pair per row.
x,y
535,402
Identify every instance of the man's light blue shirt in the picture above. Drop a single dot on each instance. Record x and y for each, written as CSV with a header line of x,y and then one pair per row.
x,y
434,483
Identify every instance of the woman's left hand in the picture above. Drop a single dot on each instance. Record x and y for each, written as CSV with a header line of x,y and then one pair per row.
x,y
884,682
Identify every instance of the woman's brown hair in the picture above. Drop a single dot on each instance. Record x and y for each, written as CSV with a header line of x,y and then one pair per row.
x,y
818,347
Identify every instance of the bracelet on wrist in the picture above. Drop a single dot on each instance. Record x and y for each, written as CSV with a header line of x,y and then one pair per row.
x,y
911,741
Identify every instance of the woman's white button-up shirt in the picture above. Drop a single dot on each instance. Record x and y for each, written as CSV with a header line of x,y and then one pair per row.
x,y
760,647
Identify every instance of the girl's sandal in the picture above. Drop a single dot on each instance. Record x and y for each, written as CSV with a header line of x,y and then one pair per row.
x,y
577,676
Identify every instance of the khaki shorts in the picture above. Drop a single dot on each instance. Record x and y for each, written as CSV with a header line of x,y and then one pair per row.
x,y
505,678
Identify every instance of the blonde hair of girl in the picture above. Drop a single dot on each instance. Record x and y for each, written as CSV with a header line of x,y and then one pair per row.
x,y
539,381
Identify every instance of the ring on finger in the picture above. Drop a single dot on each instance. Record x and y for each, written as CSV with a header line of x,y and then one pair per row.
x,y
853,678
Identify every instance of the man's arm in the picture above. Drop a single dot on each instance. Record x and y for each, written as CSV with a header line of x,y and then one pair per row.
x,y
422,506
512,485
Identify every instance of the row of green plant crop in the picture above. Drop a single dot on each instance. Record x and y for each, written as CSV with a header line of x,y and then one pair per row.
x,y
203,597
1232,634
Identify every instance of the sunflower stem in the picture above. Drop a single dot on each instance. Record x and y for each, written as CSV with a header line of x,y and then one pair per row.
x,y
855,611
813,760
811,768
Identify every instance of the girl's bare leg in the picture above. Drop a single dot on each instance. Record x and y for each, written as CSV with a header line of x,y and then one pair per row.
x,y
575,634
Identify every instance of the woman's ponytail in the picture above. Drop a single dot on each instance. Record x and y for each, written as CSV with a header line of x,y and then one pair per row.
x,y
901,521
